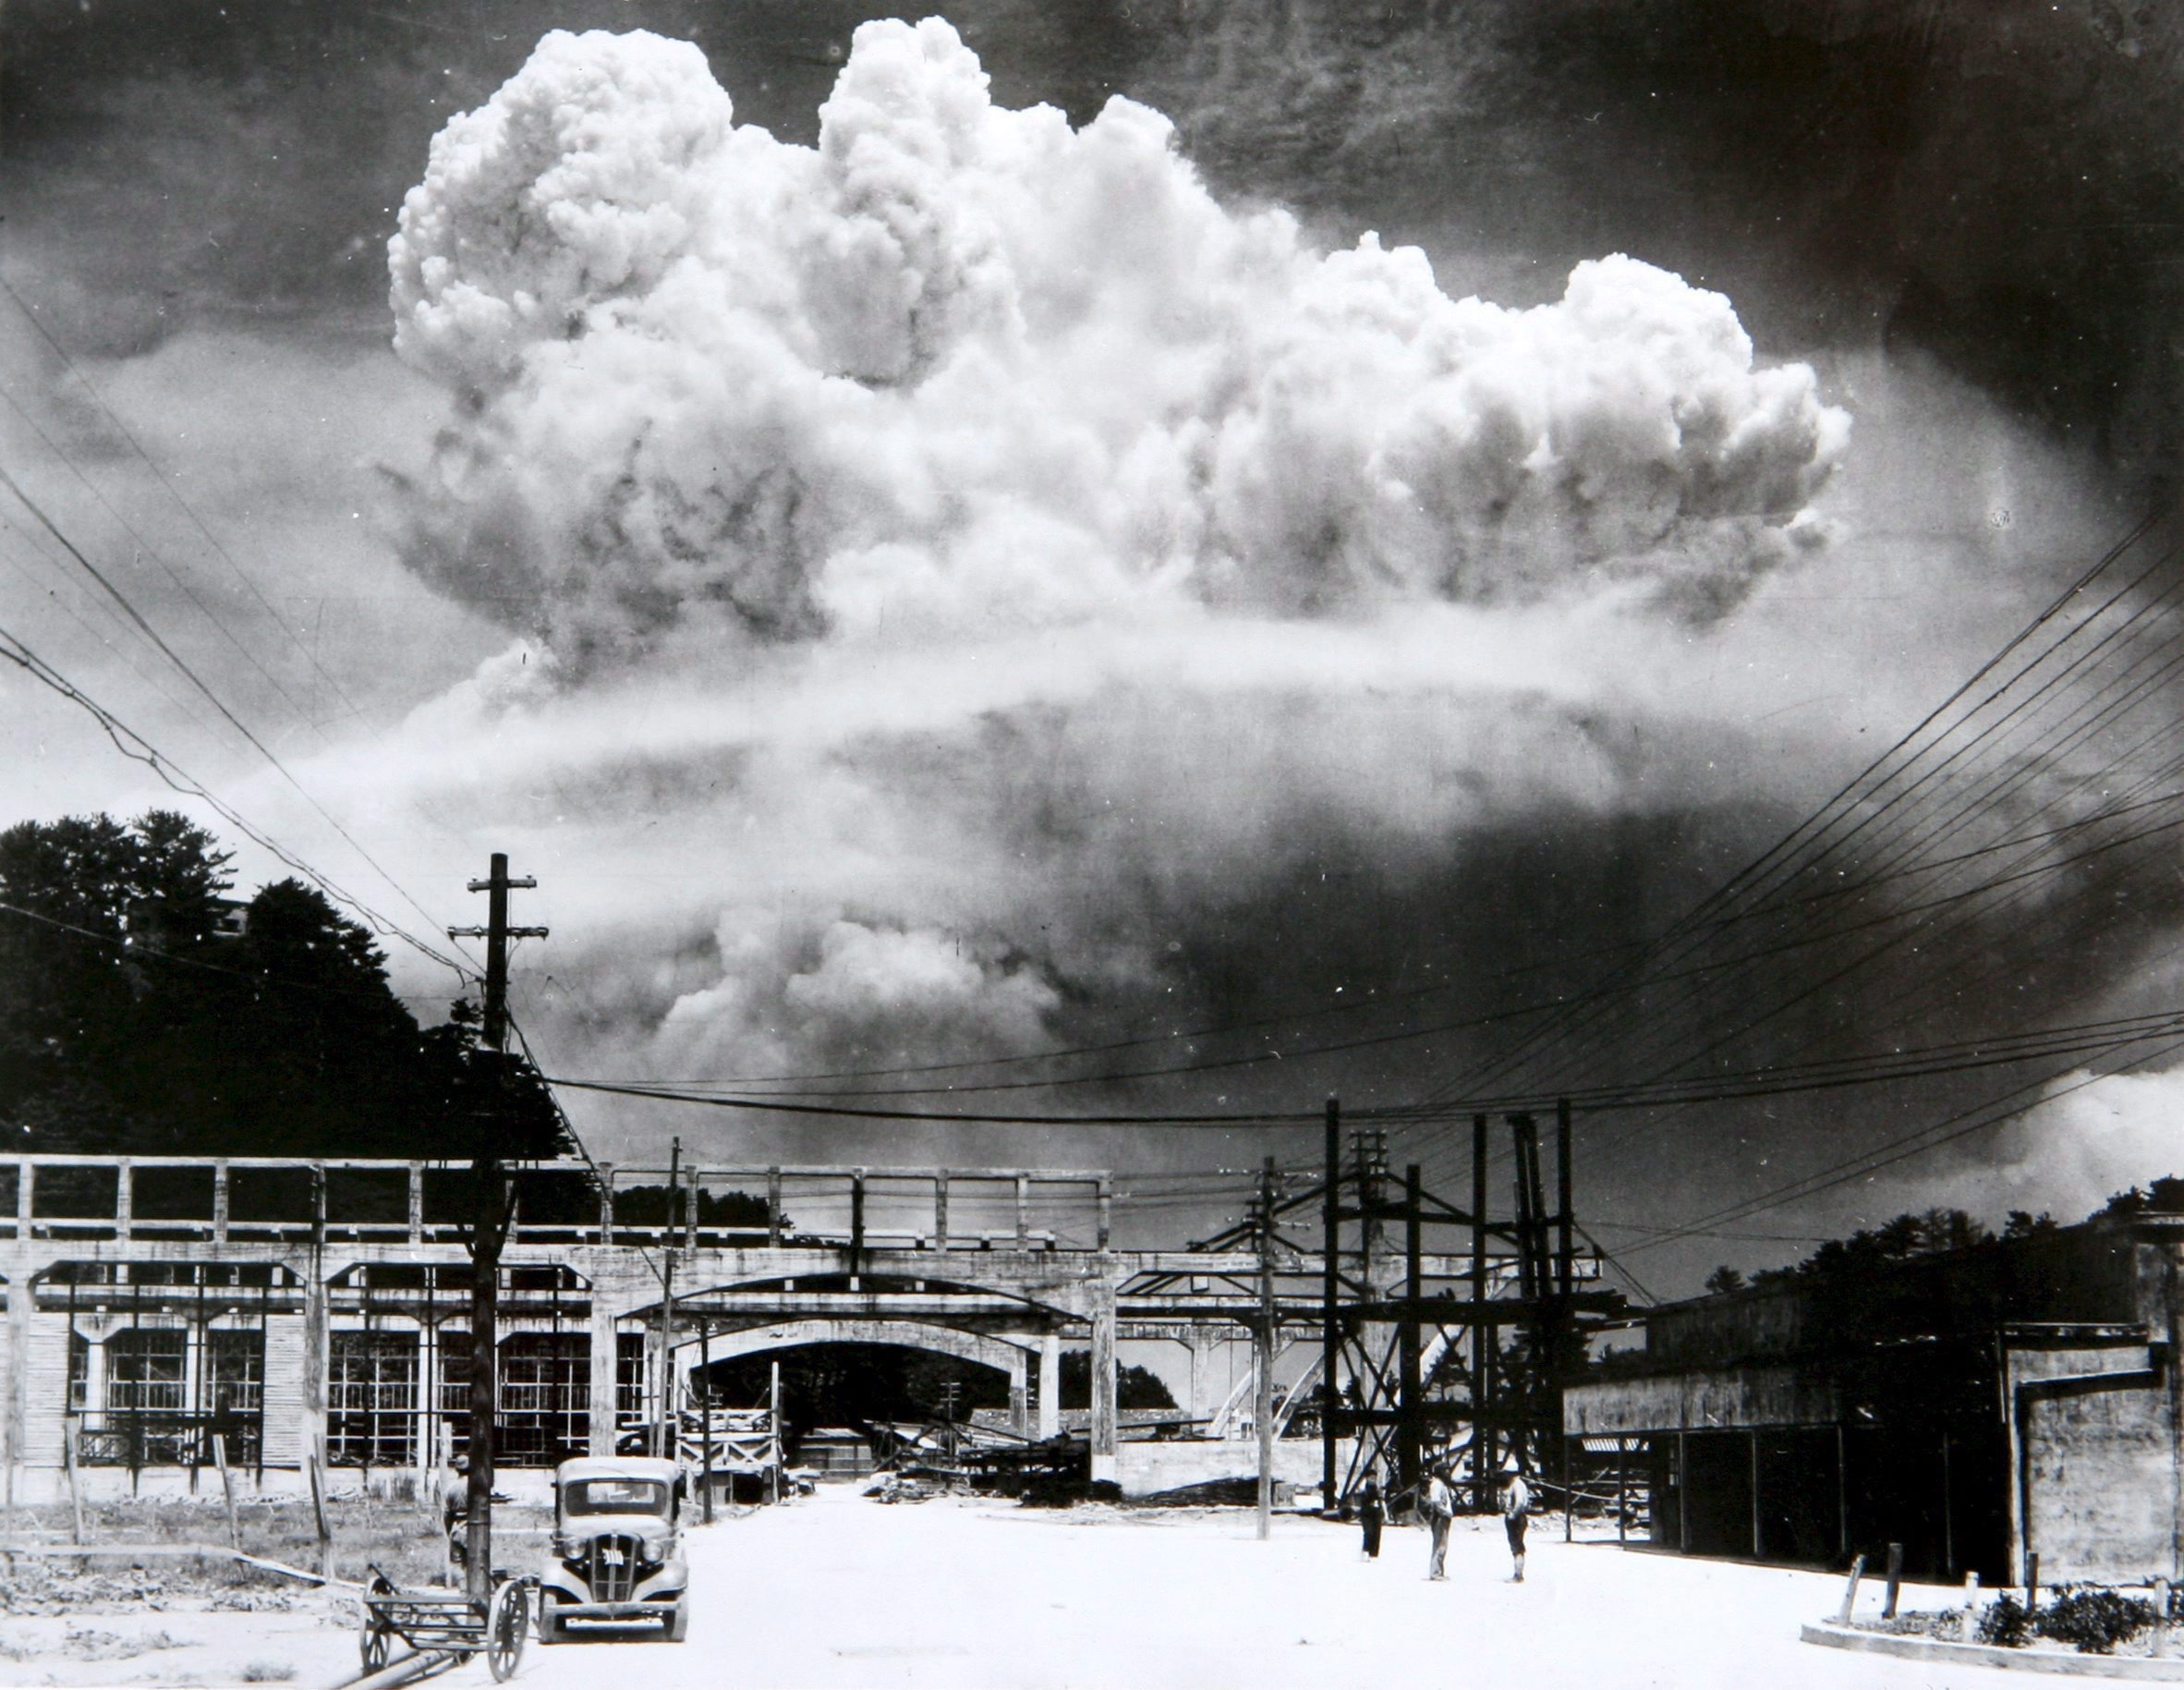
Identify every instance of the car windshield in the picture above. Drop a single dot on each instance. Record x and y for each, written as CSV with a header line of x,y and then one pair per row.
x,y
614,1496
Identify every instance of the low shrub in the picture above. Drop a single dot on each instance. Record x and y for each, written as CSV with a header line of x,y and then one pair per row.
x,y
2007,1623
2093,1621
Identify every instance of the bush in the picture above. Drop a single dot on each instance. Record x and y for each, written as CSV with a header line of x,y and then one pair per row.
x,y
2008,1624
2093,1621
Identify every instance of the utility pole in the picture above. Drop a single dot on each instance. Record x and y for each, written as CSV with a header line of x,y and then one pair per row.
x,y
705,1371
1330,1327
1263,1349
490,1213
667,1309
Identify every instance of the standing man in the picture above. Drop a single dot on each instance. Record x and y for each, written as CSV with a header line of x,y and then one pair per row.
x,y
1371,1516
1516,1508
1438,1507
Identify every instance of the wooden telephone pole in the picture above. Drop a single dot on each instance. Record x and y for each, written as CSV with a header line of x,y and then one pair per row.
x,y
1263,1351
490,1214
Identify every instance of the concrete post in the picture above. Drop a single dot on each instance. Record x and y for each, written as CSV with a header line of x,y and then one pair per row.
x,y
940,1209
125,1199
312,1395
604,1362
1104,1439
1019,1409
2166,1322
220,1203
1022,1211
17,1358
311,1429
416,1202
1049,1386
26,1184
1200,1346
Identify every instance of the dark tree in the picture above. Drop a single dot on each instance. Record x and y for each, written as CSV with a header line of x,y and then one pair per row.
x,y
131,1021
1135,1387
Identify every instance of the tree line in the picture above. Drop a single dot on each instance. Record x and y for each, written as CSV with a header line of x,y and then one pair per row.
x,y
145,1012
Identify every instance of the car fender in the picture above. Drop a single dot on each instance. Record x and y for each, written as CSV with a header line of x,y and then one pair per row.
x,y
557,1578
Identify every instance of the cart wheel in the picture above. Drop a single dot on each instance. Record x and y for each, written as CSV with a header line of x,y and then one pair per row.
x,y
373,1646
507,1624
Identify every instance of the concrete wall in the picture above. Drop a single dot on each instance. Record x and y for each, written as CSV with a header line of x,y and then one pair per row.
x,y
1148,1467
2092,1436
1699,1401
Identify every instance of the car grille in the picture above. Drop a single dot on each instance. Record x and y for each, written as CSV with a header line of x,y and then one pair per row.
x,y
610,1583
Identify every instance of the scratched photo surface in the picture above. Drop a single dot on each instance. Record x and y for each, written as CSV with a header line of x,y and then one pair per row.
x,y
1075,578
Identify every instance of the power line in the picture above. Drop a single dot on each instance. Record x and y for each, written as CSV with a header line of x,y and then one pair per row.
x,y
135,747
154,954
69,547
1812,835
176,492
146,547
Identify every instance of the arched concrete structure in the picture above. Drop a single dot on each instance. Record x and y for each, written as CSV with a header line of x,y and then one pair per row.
x,y
1005,1353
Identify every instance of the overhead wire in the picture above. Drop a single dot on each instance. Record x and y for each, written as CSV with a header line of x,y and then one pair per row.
x,y
138,748
30,316
1812,833
151,633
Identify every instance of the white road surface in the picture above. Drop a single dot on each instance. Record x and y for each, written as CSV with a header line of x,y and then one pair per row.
x,y
841,1590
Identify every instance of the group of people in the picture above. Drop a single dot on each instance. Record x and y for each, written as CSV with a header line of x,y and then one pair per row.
x,y
1437,1507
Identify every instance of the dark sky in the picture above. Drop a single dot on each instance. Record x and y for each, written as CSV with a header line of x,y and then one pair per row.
x,y
1968,215
1999,183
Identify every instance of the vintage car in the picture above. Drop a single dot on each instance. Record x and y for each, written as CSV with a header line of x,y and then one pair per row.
x,y
617,1551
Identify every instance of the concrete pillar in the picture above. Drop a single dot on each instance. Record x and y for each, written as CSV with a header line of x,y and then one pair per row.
x,y
15,1364
26,1184
125,1199
311,1387
1049,1385
940,1209
2165,1318
1103,1382
220,1202
1201,1344
416,1202
1019,1410
604,1358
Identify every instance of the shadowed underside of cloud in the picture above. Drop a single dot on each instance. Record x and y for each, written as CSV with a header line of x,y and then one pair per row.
x,y
1053,562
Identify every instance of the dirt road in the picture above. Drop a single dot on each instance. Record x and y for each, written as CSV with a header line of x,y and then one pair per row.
x,y
839,1590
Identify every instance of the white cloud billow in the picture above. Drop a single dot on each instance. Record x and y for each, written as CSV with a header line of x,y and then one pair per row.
x,y
970,573
961,366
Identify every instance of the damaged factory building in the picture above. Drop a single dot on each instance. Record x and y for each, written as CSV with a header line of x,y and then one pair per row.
x,y
2013,1400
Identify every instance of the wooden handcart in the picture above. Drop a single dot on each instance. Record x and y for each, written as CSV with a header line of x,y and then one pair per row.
x,y
446,1622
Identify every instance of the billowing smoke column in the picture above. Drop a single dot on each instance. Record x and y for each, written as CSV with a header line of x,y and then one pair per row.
x,y
1010,570
961,365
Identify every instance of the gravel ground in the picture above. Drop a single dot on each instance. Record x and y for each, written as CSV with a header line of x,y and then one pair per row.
x,y
839,1590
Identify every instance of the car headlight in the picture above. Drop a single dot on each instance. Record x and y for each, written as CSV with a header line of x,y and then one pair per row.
x,y
655,1548
567,1547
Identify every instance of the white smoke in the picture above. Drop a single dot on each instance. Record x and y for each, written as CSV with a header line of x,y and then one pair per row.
x,y
968,566
962,365
2089,1139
